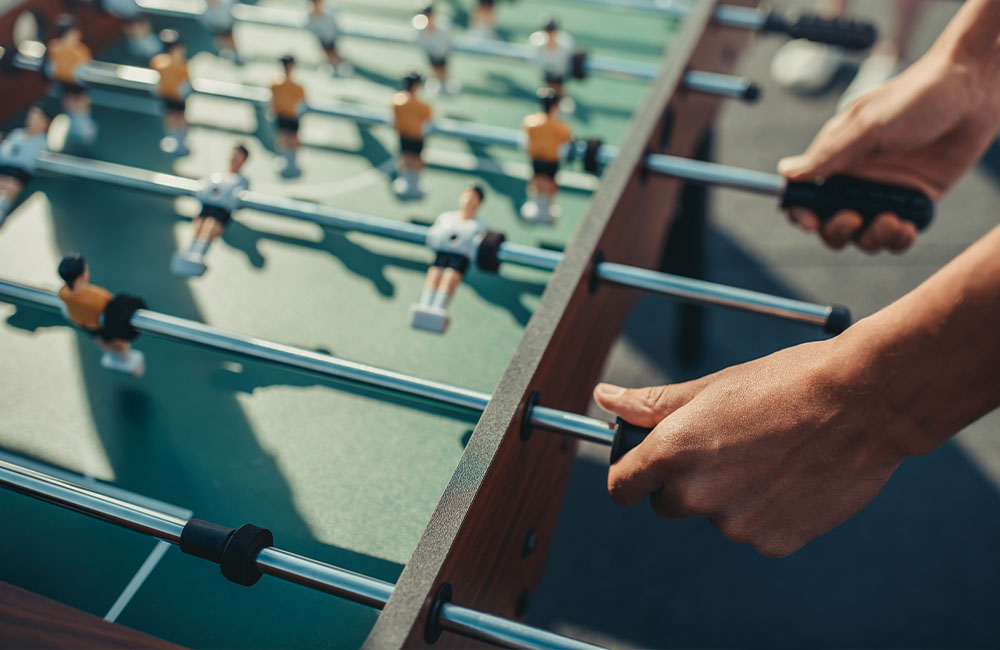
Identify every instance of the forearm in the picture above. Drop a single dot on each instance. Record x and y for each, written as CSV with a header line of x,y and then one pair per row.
x,y
972,40
933,357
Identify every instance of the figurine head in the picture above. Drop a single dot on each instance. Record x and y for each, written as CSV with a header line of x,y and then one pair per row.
x,y
412,81
172,43
471,198
288,63
238,158
316,4
425,16
38,119
67,29
550,27
549,100
74,271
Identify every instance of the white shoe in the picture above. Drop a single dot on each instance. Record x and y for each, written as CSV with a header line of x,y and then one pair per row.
x,y
134,363
82,128
288,169
873,72
174,146
567,106
343,69
806,67
184,266
405,189
540,213
427,318
432,86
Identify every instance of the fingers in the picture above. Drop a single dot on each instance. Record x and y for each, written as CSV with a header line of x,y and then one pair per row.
x,y
842,228
636,474
644,407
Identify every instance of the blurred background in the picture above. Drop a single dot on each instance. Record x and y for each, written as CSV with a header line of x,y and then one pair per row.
x,y
920,567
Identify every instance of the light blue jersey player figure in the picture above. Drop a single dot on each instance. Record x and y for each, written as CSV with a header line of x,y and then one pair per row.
x,y
142,42
322,21
455,238
219,196
18,153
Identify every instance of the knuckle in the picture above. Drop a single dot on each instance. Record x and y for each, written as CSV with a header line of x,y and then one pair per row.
x,y
777,546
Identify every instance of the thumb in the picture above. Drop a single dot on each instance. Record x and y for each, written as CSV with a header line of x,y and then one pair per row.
x,y
645,407
832,151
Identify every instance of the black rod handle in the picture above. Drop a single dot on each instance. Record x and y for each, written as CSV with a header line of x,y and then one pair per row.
x,y
627,437
842,32
869,198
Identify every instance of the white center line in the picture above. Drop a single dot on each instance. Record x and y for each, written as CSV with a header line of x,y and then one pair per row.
x,y
140,576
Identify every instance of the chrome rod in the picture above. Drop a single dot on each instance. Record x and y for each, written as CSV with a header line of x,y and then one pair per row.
x,y
671,286
101,506
275,562
504,632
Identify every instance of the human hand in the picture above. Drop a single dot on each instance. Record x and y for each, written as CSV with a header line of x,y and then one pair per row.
x,y
922,129
775,452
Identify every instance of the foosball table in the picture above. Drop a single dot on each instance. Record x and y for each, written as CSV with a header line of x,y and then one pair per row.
x,y
402,486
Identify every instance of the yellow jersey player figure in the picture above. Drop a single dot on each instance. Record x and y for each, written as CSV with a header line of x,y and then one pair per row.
x,y
322,21
554,56
106,317
66,54
219,196
547,138
288,101
483,22
173,88
434,37
412,119
218,19
454,238
19,150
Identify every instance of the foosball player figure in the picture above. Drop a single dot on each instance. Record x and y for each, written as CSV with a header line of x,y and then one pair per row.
x,y
483,20
67,53
142,42
554,56
106,317
218,19
412,119
18,152
288,101
219,196
322,21
455,239
547,138
173,88
434,38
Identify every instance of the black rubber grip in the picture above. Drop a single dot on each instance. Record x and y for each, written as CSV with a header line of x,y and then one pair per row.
x,y
838,320
488,253
843,32
204,539
627,437
239,557
578,65
867,197
590,162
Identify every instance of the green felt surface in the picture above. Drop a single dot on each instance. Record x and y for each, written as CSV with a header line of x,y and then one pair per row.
x,y
343,474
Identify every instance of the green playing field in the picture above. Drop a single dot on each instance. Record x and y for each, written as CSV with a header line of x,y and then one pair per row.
x,y
346,475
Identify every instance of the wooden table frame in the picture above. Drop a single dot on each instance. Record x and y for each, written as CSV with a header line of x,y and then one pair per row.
x,y
490,533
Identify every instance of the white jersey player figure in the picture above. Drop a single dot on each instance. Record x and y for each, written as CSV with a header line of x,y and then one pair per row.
x,y
219,196
454,238
218,19
142,42
554,56
322,21
18,153
433,36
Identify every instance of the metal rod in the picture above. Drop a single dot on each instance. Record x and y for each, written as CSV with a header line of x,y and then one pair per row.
x,y
275,562
664,284
191,332
393,34
120,76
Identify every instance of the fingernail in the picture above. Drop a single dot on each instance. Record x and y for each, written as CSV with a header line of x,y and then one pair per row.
x,y
609,391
